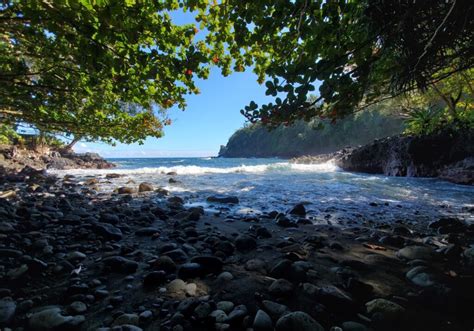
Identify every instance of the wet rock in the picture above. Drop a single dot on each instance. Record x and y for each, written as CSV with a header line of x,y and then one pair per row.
x,y
130,319
219,316
223,199
108,231
387,309
120,264
298,210
165,263
154,278
126,190
225,277
282,269
245,243
51,318
190,270
281,288
109,218
297,321
237,314
285,222
145,187
177,255
416,252
202,310
113,176
226,306
275,310
262,322
421,276
145,232
7,310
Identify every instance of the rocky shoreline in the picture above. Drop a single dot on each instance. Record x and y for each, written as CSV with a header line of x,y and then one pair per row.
x,y
446,155
13,158
75,259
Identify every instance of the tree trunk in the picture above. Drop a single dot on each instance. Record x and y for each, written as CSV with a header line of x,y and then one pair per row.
x,y
72,143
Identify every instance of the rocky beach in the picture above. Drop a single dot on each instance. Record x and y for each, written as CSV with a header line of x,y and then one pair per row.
x,y
75,257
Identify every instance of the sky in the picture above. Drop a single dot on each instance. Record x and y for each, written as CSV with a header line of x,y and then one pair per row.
x,y
210,118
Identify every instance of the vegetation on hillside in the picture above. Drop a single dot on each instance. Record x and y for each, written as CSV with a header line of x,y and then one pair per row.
x,y
313,137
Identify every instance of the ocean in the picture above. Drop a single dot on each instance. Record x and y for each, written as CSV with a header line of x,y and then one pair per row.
x,y
263,185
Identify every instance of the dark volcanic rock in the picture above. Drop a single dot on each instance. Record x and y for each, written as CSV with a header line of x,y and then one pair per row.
x,y
108,231
209,264
298,210
245,243
120,264
297,321
447,155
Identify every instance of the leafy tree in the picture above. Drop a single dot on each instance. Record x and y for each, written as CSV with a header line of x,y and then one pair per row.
x,y
99,69
103,69
360,51
447,104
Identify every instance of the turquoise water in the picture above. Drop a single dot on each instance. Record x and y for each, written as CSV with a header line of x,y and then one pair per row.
x,y
274,184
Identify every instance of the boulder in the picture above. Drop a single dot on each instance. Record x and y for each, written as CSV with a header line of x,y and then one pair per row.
x,y
145,187
297,321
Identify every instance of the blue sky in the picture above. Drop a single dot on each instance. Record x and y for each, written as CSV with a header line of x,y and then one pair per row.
x,y
209,120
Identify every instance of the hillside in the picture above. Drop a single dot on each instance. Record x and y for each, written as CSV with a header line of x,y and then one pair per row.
x,y
311,138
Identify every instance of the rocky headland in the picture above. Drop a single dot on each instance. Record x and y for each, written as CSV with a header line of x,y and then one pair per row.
x,y
13,158
446,155
73,258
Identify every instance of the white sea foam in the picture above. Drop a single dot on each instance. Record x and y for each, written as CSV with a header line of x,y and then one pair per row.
x,y
197,170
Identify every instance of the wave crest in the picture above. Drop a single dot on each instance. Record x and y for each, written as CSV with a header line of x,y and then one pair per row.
x,y
197,170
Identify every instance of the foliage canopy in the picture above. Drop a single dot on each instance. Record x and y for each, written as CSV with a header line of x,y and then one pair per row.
x,y
103,69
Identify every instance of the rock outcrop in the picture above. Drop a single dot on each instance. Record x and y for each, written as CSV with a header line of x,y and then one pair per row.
x,y
447,155
14,158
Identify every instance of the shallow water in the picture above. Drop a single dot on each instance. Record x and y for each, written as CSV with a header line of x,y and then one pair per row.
x,y
274,184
